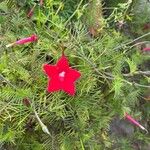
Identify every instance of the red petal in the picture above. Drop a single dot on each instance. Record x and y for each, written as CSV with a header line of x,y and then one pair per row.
x,y
72,75
54,85
34,37
68,85
50,70
69,88
63,63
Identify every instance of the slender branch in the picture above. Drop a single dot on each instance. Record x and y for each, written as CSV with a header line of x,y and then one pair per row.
x,y
133,41
130,83
147,73
4,13
140,85
139,43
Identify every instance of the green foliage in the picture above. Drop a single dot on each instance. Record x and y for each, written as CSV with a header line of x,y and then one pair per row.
x,y
110,83
132,66
141,11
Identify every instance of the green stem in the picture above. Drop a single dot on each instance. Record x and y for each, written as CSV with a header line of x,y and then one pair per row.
x,y
82,144
74,12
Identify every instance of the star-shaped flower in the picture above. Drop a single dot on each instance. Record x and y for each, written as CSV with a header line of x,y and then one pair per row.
x,y
61,76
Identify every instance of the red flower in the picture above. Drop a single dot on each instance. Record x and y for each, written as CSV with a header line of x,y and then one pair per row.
x,y
132,120
146,49
32,38
61,76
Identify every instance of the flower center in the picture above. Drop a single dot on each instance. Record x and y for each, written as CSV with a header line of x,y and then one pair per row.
x,y
62,75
